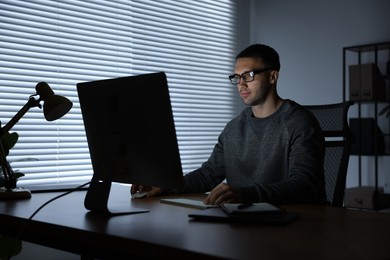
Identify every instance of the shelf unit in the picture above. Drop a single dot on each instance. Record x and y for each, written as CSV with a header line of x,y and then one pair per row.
x,y
376,53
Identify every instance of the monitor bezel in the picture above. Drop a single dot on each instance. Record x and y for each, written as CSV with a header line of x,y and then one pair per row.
x,y
148,109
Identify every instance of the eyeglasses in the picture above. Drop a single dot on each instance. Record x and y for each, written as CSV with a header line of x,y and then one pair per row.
x,y
247,76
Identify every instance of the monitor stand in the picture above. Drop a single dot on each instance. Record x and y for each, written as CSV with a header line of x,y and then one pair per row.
x,y
96,199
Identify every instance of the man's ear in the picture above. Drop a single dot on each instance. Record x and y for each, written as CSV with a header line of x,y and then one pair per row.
x,y
274,76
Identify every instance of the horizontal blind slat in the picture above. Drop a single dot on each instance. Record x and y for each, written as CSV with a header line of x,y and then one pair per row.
x,y
64,43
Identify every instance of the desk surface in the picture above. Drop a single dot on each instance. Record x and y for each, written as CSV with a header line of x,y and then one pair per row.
x,y
320,232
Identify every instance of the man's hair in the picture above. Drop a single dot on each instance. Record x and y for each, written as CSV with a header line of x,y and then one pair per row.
x,y
268,55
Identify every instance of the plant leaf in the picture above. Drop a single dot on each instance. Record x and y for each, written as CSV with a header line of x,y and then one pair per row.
x,y
18,174
8,141
9,247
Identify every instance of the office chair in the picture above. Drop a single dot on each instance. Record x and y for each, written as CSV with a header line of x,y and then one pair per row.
x,y
334,123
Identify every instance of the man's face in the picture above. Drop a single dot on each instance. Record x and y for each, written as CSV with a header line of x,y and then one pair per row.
x,y
255,92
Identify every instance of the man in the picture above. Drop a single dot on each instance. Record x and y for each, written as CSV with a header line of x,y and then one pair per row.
x,y
272,152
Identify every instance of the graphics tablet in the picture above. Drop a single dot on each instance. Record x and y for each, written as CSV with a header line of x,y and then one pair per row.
x,y
218,215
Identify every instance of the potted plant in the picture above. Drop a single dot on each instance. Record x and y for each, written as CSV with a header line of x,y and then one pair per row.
x,y
8,141
9,246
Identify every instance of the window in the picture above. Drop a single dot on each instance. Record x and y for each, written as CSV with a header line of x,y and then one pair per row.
x,y
66,42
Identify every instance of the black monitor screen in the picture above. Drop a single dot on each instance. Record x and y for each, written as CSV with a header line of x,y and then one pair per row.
x,y
130,131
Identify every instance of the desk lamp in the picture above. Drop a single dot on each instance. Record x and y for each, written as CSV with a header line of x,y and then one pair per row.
x,y
54,107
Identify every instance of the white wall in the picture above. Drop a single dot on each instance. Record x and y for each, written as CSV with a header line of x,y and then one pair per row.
x,y
309,36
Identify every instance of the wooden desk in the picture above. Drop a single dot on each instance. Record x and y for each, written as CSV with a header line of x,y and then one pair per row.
x,y
320,232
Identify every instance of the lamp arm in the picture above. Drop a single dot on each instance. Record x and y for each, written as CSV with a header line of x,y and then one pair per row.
x,y
32,102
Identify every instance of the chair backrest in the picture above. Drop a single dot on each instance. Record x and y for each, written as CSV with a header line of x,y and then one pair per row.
x,y
333,119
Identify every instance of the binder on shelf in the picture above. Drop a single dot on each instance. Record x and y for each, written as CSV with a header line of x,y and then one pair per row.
x,y
366,83
366,197
363,137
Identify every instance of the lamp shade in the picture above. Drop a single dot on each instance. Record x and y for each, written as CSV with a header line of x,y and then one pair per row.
x,y
54,106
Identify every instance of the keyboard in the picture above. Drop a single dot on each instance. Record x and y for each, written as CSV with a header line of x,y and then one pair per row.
x,y
192,203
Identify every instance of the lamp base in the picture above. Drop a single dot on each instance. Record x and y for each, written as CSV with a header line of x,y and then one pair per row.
x,y
14,194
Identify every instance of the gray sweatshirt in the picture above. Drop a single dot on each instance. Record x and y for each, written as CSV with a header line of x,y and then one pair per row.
x,y
277,159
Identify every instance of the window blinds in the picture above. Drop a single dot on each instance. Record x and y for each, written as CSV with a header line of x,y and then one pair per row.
x,y
66,42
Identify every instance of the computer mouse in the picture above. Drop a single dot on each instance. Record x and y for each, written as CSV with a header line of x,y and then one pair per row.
x,y
138,195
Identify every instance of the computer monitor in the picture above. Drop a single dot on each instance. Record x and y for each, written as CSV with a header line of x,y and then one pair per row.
x,y
131,136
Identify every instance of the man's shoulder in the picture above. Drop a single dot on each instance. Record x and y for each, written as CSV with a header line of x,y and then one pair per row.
x,y
298,117
291,108
292,105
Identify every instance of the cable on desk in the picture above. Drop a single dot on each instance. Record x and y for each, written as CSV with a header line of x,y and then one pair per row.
x,y
53,199
19,234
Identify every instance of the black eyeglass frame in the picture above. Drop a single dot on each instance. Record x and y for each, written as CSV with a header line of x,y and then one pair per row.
x,y
251,73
